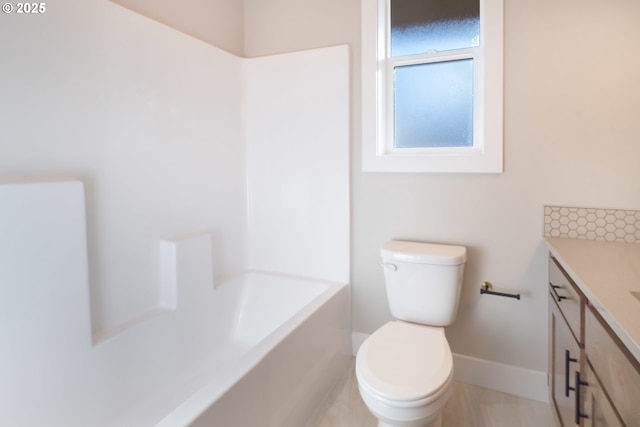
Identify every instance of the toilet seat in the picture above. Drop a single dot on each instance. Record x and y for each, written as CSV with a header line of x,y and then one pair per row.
x,y
405,364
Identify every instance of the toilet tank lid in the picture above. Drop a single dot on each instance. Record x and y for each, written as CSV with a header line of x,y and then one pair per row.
x,y
425,253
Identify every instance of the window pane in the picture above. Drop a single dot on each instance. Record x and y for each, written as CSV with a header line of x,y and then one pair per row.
x,y
433,104
419,26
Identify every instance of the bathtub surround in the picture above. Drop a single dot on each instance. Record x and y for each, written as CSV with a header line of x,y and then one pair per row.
x,y
158,127
185,358
297,133
160,131
149,119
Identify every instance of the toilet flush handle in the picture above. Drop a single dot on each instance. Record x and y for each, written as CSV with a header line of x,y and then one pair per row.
x,y
389,266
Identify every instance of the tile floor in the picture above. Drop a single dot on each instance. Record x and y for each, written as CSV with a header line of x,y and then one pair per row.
x,y
470,406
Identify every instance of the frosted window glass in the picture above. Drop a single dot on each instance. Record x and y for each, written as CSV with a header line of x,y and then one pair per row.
x,y
420,26
433,104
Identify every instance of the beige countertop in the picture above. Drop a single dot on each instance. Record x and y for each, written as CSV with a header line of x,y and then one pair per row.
x,y
607,273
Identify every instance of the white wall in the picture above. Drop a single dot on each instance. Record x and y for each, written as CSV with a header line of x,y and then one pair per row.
x,y
292,25
571,129
148,118
218,22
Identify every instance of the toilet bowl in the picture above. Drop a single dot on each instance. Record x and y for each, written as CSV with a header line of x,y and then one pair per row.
x,y
405,368
404,373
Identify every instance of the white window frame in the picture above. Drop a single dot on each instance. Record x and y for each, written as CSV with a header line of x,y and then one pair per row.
x,y
378,151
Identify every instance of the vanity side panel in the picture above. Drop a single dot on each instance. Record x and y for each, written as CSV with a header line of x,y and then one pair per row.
x,y
615,367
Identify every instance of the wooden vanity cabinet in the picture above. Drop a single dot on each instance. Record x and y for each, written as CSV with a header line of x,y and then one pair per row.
x,y
566,317
594,379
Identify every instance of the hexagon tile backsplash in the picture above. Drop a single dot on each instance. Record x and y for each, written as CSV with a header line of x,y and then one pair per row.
x,y
611,225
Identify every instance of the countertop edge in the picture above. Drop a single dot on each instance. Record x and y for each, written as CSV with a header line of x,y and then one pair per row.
x,y
558,253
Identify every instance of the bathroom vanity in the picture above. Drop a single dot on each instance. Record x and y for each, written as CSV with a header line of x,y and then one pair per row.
x,y
594,330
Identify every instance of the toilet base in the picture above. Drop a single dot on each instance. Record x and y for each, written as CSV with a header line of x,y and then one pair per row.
x,y
435,423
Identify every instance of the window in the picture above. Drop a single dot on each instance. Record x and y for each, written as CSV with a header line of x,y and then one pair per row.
x,y
432,85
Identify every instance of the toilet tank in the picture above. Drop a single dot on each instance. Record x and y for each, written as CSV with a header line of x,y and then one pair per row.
x,y
423,280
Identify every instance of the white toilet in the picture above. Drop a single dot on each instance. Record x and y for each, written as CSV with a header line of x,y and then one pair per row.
x,y
405,368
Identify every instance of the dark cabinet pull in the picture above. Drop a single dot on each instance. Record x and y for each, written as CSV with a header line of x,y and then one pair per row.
x,y
558,297
567,360
578,384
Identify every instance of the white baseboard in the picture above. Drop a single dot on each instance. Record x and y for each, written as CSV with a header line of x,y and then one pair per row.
x,y
508,379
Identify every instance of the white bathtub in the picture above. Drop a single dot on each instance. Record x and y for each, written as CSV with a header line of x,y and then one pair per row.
x,y
258,350
280,343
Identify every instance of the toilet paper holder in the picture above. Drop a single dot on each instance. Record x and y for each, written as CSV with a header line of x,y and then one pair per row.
x,y
485,288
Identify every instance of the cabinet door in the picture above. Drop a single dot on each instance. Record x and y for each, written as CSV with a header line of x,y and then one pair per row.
x,y
597,408
564,362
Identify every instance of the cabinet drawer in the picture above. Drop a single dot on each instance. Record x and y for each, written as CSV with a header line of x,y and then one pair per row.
x,y
568,297
616,369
